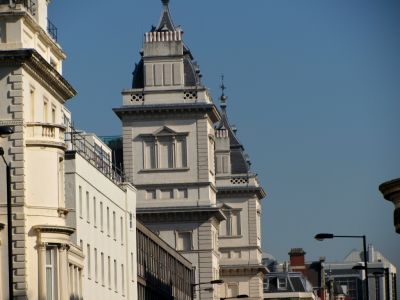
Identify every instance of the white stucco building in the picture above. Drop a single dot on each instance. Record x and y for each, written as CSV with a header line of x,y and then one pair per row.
x,y
73,218
102,211
195,187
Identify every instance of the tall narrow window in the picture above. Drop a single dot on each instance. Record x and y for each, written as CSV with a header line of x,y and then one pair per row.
x,y
122,280
32,97
149,155
122,230
166,153
102,268
95,266
87,208
94,212
132,266
115,276
51,273
114,226
109,272
88,261
101,217
53,114
130,220
181,155
108,221
184,241
45,111
80,202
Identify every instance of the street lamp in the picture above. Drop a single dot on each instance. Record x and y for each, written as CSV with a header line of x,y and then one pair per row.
x,y
323,236
5,131
236,297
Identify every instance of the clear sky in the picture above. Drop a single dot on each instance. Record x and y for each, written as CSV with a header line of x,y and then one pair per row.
x,y
314,90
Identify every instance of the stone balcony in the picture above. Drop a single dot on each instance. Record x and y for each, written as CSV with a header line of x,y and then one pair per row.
x,y
45,134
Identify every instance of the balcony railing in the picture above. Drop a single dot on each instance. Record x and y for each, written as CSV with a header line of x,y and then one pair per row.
x,y
52,30
45,133
78,142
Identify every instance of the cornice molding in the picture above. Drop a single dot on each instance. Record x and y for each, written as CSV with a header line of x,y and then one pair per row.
x,y
38,67
259,191
209,109
53,229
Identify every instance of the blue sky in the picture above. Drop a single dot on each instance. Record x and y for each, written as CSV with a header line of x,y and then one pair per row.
x,y
314,90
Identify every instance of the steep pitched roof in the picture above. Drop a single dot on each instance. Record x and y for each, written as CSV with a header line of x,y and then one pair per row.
x,y
165,23
239,161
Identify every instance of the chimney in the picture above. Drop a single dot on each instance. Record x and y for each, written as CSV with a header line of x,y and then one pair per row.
x,y
371,253
297,261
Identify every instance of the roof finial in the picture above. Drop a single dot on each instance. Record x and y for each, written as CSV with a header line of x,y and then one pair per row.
x,y
165,2
223,98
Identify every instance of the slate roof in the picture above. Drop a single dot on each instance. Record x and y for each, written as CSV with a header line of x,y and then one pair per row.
x,y
239,162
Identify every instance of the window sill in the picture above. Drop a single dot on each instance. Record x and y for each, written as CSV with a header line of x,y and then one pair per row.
x,y
164,170
230,236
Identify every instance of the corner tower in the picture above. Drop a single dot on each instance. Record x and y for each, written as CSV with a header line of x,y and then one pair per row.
x,y
168,144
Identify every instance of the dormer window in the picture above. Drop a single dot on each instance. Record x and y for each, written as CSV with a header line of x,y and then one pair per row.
x,y
165,149
282,283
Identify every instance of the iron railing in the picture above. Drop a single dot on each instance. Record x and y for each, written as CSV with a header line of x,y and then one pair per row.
x,y
78,142
52,30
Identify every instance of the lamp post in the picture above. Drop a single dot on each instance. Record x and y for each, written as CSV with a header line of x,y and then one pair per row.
x,y
5,131
236,297
323,236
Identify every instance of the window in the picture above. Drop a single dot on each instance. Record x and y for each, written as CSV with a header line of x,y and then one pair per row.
x,y
53,114
266,284
115,276
32,97
102,268
80,202
281,283
167,194
108,221
232,226
109,272
45,110
165,149
114,226
122,280
184,241
94,212
130,220
122,230
88,261
87,208
51,273
151,194
101,217
95,266
132,266
182,193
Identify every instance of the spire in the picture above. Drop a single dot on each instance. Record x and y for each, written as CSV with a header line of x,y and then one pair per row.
x,y
165,23
223,98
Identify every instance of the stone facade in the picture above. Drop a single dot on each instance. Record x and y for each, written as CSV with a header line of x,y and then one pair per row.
x,y
33,93
195,187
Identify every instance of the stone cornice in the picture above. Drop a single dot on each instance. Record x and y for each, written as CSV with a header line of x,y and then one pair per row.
x,y
237,270
259,191
208,108
54,229
35,64
175,214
